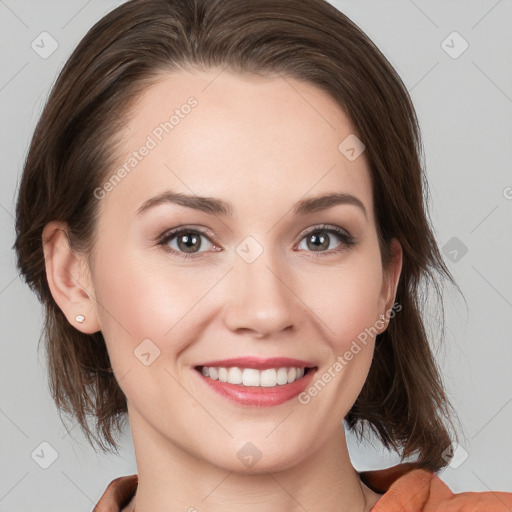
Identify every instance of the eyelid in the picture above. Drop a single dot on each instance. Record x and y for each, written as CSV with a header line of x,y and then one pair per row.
x,y
325,227
186,227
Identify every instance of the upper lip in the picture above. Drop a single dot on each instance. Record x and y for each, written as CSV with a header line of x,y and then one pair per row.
x,y
259,363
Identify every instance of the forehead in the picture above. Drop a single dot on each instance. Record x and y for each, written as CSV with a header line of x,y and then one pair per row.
x,y
244,138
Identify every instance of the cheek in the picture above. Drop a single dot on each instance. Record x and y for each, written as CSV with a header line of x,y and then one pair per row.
x,y
139,301
346,302
143,296
346,298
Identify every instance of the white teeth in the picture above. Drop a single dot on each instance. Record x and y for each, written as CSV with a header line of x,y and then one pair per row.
x,y
282,376
223,374
268,378
235,375
252,377
291,374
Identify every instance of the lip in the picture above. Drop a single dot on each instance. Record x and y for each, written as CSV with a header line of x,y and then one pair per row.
x,y
259,363
258,396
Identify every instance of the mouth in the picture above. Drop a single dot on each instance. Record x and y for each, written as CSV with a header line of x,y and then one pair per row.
x,y
253,381
254,377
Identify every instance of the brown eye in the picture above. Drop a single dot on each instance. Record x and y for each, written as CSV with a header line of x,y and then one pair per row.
x,y
320,239
188,242
184,242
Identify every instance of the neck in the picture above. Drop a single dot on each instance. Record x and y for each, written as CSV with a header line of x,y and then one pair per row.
x,y
172,479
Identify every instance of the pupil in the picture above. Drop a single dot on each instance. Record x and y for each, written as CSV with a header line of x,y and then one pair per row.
x,y
188,242
319,238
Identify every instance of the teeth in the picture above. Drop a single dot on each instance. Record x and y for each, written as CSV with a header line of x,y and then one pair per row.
x,y
235,375
251,377
223,374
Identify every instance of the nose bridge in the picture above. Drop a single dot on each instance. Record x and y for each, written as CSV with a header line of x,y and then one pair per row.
x,y
260,298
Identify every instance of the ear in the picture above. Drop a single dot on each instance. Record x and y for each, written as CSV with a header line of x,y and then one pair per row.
x,y
390,282
69,278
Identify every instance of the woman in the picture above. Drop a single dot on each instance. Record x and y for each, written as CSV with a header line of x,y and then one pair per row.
x,y
192,157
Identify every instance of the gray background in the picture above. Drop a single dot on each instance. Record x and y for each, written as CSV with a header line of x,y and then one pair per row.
x,y
465,110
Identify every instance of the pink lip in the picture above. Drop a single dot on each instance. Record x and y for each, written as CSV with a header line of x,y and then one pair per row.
x,y
259,363
256,395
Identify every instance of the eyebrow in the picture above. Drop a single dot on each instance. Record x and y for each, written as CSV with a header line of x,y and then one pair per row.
x,y
215,206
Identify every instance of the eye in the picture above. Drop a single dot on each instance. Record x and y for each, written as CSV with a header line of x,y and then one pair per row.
x,y
319,238
185,242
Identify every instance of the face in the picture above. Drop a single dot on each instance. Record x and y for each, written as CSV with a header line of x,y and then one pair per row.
x,y
256,277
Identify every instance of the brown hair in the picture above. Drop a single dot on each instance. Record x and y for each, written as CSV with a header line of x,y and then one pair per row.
x,y
73,149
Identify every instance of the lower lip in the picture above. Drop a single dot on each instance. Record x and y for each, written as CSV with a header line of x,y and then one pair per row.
x,y
259,396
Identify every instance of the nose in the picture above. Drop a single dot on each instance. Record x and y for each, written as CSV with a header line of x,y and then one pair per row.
x,y
261,299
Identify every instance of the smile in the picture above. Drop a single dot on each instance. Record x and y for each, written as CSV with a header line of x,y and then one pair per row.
x,y
252,377
256,387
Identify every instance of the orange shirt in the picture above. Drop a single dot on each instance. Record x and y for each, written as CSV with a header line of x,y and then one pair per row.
x,y
404,488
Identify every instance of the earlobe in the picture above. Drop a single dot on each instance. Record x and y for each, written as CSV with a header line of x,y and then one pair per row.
x,y
69,279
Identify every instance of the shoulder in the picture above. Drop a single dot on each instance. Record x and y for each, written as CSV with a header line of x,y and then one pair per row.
x,y
118,494
405,487
410,489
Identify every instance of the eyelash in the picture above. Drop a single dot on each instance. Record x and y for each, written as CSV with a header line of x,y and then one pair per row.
x,y
347,240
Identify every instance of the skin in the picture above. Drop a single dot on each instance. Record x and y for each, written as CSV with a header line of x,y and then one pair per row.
x,y
261,144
